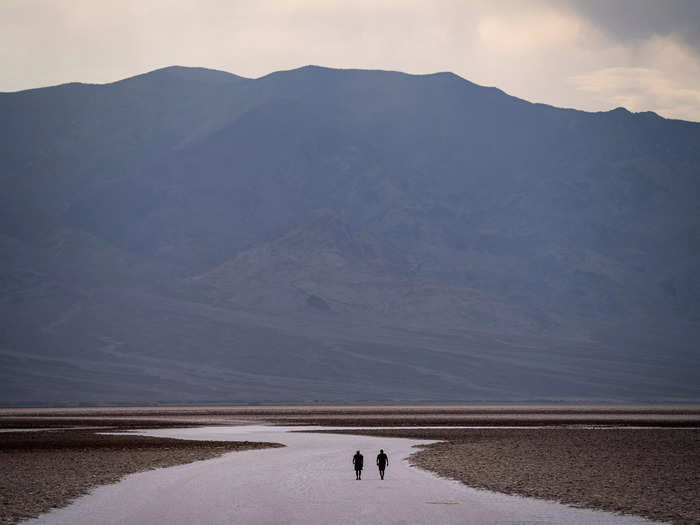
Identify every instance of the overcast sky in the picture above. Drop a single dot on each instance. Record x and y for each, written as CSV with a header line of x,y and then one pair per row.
x,y
593,55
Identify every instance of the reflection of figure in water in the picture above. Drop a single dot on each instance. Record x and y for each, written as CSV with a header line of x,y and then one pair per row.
x,y
357,460
382,462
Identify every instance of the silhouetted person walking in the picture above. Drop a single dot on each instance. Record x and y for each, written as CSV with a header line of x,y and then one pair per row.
x,y
358,460
382,462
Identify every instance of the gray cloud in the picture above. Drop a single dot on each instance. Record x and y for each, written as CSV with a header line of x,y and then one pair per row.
x,y
640,19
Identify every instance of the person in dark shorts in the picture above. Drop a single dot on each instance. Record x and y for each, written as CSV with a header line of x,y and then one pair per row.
x,y
382,462
358,460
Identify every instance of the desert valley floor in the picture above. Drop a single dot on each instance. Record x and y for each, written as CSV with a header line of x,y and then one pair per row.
x,y
449,464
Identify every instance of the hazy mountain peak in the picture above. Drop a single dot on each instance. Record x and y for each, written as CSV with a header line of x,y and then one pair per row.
x,y
619,111
650,114
188,74
316,72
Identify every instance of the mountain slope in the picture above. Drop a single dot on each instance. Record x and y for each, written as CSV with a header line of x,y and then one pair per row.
x,y
490,247
465,178
325,267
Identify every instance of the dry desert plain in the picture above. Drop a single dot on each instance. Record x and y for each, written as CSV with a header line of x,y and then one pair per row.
x,y
641,460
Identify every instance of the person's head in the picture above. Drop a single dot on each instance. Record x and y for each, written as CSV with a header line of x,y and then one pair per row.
x,y
381,451
358,451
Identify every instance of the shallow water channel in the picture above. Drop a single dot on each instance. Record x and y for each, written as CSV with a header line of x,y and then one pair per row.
x,y
310,481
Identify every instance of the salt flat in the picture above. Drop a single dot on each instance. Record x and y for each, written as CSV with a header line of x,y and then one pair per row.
x,y
309,481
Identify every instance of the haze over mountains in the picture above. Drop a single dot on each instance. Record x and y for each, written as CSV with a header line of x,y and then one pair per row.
x,y
189,235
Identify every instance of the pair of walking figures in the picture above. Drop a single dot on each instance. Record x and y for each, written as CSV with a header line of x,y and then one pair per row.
x,y
358,461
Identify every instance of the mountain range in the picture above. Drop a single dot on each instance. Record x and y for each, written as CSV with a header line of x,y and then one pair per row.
x,y
326,235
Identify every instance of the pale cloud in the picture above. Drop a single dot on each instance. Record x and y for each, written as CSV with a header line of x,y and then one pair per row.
x,y
530,32
638,88
541,50
659,74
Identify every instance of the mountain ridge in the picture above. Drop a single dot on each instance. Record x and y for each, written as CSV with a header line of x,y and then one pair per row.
x,y
223,74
